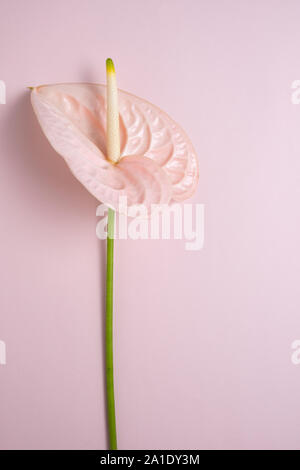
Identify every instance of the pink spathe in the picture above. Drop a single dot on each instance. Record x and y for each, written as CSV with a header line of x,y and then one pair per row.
x,y
158,163
202,339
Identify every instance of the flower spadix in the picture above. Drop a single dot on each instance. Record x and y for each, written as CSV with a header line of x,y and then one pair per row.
x,y
117,144
112,114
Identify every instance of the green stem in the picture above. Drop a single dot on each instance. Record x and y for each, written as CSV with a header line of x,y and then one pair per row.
x,y
111,417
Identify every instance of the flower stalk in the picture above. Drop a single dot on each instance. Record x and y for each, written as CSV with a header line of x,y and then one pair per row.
x,y
110,396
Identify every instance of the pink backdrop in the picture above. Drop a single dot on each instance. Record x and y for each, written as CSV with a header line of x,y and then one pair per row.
x,y
203,339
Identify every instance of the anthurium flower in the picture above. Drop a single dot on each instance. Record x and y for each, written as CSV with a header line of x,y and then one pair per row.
x,y
116,144
156,163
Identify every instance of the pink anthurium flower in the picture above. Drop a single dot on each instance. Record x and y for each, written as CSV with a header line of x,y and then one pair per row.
x,y
157,162
116,145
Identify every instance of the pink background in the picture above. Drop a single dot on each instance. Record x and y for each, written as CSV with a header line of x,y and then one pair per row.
x,y
203,339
